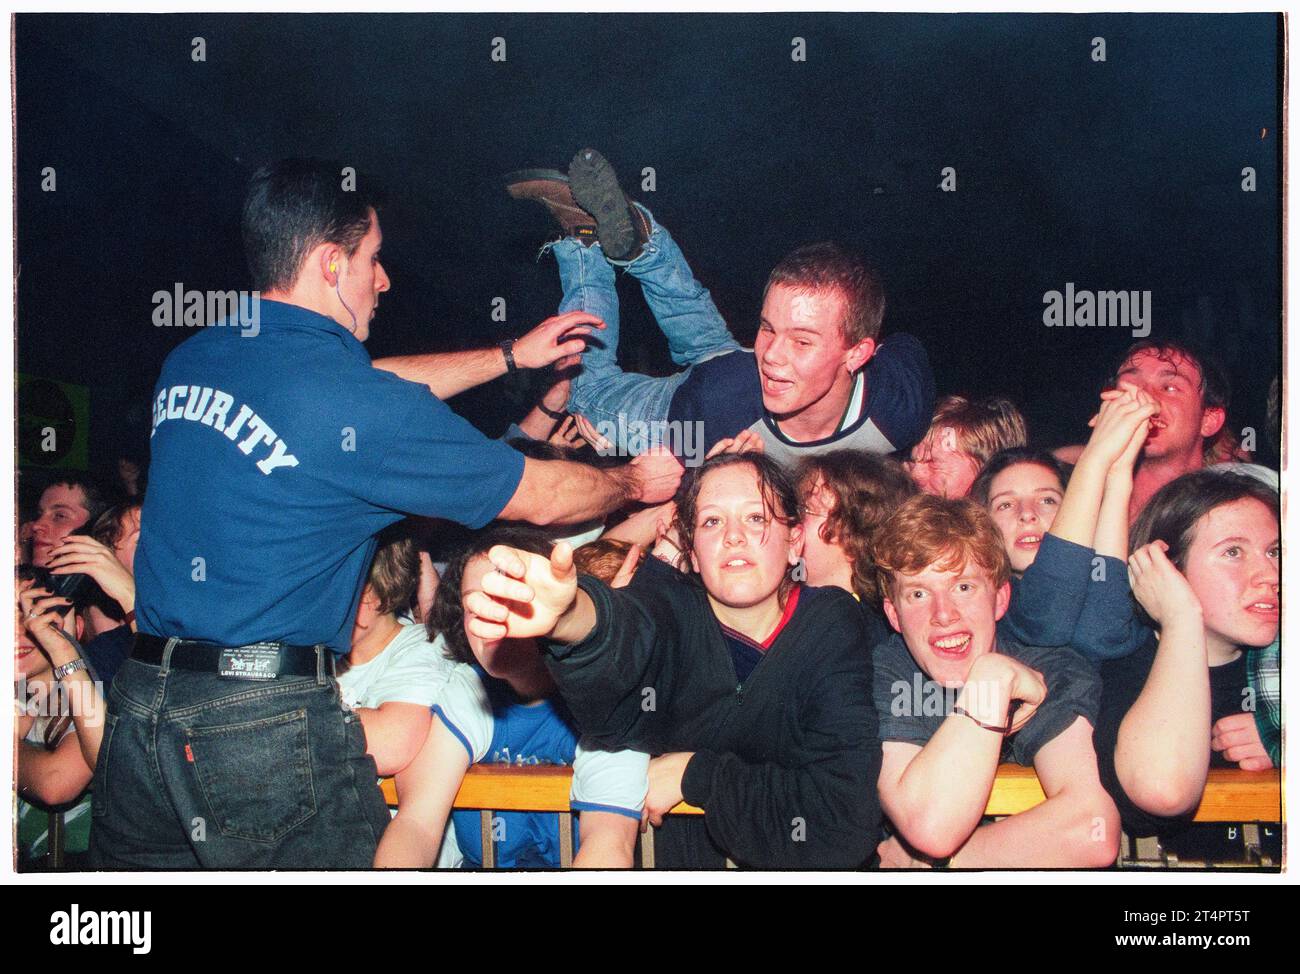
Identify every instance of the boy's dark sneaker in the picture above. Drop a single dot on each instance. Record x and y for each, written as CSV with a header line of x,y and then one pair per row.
x,y
621,228
550,187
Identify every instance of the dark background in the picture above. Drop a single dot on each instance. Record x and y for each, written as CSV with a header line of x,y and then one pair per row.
x,y
1117,175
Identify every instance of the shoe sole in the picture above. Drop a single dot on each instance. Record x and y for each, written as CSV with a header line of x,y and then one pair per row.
x,y
595,188
529,175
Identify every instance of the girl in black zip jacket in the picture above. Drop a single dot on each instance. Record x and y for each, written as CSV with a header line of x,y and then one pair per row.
x,y
755,691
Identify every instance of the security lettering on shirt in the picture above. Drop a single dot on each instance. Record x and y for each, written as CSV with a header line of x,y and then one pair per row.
x,y
211,407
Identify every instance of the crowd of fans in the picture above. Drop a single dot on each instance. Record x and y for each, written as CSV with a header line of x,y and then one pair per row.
x,y
828,640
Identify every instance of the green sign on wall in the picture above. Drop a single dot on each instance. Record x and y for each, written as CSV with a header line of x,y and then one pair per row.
x,y
53,424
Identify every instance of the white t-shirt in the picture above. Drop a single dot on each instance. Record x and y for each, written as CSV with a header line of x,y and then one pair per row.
x,y
411,669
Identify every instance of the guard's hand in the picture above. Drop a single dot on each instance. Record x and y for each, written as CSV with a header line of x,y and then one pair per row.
x,y
658,474
556,340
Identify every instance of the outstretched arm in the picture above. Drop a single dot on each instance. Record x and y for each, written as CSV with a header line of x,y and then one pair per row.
x,y
449,373
562,492
426,791
527,595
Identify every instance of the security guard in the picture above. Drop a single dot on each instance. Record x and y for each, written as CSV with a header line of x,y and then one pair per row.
x,y
278,452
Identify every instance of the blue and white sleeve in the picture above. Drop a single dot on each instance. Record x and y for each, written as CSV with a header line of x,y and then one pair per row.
x,y
465,710
609,781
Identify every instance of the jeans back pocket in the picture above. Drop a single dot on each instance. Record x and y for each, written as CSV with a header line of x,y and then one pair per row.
x,y
256,775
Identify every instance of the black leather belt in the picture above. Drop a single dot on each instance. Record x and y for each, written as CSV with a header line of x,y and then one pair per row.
x,y
256,661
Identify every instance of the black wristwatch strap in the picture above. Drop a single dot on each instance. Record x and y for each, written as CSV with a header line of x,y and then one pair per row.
x,y
963,712
507,349
556,414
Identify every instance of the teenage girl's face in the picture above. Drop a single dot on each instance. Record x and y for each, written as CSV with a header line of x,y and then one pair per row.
x,y
499,657
741,552
1023,500
1232,566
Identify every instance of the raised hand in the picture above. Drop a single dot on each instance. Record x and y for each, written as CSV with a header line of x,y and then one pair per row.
x,y
42,615
1159,587
557,340
746,441
524,595
589,433
658,473
1124,411
79,553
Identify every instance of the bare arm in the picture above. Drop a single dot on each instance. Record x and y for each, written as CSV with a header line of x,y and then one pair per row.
x,y
608,841
1077,825
1112,521
394,733
426,791
450,373
53,777
1162,755
83,697
936,795
561,492
447,374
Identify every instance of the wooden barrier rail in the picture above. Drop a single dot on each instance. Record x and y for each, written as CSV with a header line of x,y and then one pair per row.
x,y
1230,795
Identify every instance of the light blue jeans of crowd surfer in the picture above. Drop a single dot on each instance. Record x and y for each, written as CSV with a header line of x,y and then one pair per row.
x,y
628,408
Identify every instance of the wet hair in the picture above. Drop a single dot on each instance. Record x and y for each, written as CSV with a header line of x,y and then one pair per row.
x,y
867,488
1172,513
947,533
447,615
825,267
780,499
1014,457
292,207
1216,392
602,558
983,426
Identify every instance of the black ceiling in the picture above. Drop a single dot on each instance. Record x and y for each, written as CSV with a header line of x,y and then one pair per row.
x,y
1117,174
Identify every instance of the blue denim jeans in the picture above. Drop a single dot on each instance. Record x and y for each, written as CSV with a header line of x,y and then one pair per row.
x,y
196,771
619,402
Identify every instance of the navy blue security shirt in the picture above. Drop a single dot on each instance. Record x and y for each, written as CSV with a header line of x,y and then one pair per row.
x,y
276,457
